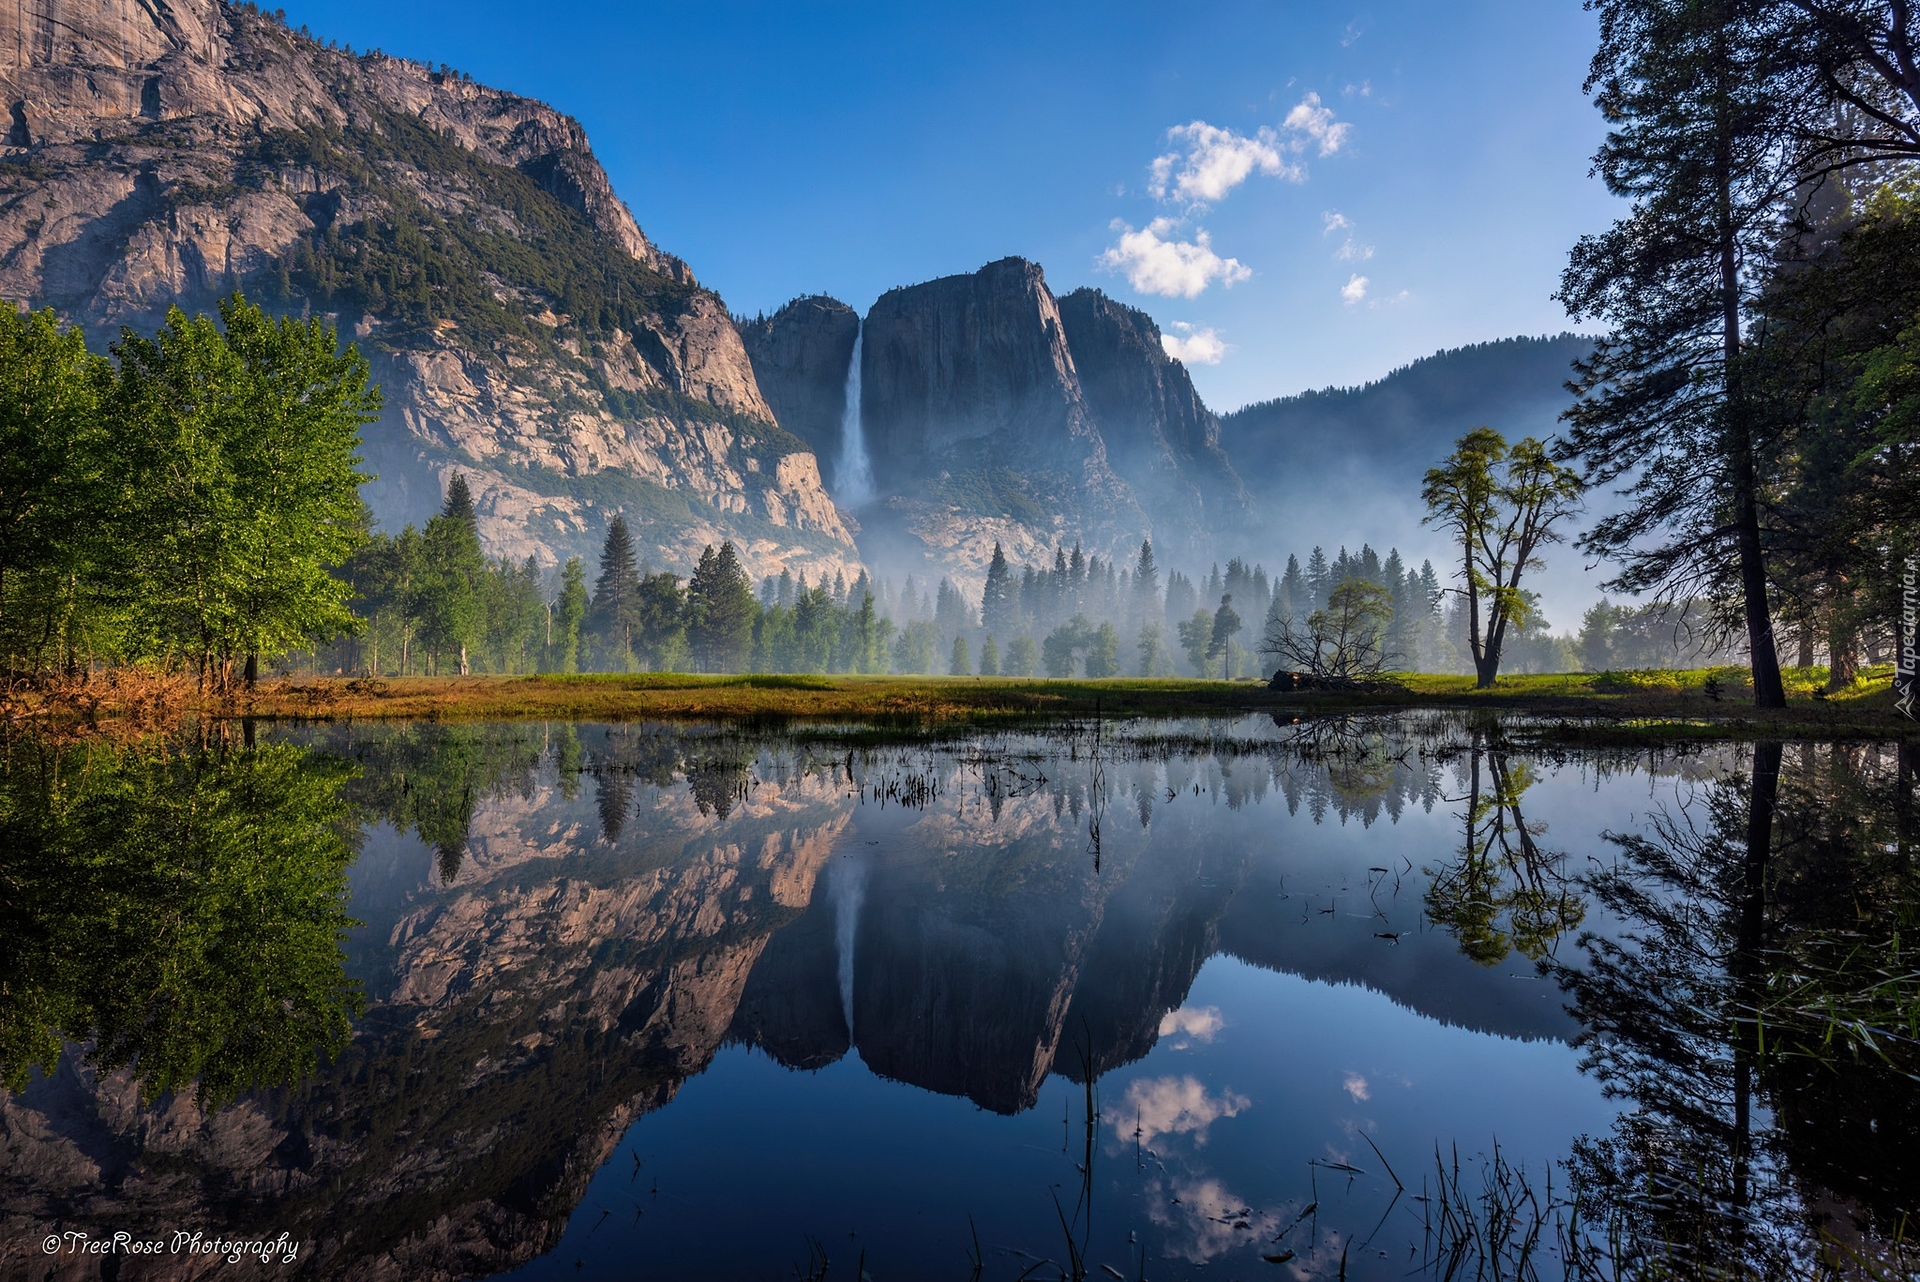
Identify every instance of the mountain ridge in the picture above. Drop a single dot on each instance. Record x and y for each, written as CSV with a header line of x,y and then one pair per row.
x,y
525,330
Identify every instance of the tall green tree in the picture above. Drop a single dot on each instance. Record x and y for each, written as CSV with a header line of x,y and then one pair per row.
x,y
616,594
1500,505
452,568
996,597
720,611
660,622
1703,103
236,460
1226,622
52,441
306,400
568,614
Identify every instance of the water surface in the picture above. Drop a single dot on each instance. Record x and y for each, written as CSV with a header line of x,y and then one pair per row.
x,y
1229,999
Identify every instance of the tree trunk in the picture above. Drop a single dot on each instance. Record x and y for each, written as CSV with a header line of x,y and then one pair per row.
x,y
1843,641
1768,690
463,658
1806,646
253,669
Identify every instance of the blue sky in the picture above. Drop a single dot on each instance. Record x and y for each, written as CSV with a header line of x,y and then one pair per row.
x,y
1346,187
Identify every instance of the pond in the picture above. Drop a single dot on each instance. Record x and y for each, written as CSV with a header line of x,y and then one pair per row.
x,y
1366,998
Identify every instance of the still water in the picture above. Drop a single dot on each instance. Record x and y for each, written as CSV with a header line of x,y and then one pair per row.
x,y
1228,999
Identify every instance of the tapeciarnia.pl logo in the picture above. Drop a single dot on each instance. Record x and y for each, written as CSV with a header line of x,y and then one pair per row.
x,y
1907,662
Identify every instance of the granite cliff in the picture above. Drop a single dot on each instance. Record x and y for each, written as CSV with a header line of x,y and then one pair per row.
x,y
994,412
524,330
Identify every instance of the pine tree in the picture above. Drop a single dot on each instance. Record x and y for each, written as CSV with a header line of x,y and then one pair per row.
x,y
996,604
1146,586
720,611
1703,108
616,593
1320,582
1225,624
459,502
960,665
569,617
1293,593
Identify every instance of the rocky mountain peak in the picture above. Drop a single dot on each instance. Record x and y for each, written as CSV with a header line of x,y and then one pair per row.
x,y
524,329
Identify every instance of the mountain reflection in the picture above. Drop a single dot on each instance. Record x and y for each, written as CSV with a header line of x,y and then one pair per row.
x,y
558,926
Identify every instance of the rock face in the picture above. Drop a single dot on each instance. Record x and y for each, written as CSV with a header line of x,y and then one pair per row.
x,y
1161,438
994,412
523,328
978,429
800,356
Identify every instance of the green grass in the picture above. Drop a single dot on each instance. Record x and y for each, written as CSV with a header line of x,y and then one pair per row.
x,y
1568,707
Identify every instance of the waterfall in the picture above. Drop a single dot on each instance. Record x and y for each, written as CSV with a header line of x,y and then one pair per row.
x,y
853,472
849,891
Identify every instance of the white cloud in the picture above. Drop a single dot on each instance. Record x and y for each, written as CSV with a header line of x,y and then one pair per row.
x,y
1214,162
1173,1106
1316,122
1192,346
1209,161
1201,1023
1155,264
1356,1086
1354,290
1351,250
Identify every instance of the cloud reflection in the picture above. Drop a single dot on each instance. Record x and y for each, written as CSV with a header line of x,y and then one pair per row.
x,y
1173,1106
1192,1024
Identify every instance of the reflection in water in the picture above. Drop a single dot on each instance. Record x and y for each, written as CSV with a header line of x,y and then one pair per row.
x,y
180,910
1759,1011
574,936
1506,893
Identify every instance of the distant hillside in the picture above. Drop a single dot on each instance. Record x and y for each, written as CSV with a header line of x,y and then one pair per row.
x,y
1345,464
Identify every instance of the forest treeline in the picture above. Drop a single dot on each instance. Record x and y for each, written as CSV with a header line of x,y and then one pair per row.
x,y
191,501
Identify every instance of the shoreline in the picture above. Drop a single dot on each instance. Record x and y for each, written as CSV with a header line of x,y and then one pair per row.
x,y
1581,707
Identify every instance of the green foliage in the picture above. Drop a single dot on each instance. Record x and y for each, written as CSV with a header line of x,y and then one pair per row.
x,y
52,487
183,911
1023,657
1500,505
414,267
993,491
989,657
206,524
1196,638
720,611
1346,639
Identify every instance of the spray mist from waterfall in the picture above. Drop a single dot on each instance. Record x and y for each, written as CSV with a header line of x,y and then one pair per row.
x,y
853,473
849,890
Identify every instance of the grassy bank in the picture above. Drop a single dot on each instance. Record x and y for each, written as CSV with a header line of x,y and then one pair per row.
x,y
1610,707
1708,703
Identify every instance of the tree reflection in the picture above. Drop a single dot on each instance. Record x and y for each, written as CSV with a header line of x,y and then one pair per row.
x,y
1758,1011
183,911
1506,893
